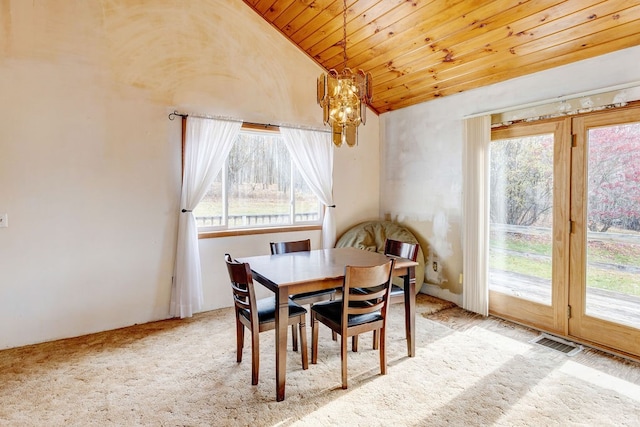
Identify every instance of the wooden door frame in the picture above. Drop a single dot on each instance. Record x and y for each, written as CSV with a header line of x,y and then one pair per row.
x,y
549,318
584,328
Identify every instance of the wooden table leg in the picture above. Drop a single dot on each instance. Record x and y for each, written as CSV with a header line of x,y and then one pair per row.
x,y
282,317
410,310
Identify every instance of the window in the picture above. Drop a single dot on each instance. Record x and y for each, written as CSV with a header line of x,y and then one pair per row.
x,y
521,214
259,186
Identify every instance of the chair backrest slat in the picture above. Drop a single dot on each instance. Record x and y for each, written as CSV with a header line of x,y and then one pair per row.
x,y
369,308
370,295
240,297
286,247
244,297
375,281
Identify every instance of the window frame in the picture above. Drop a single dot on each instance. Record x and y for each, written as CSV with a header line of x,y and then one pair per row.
x,y
225,230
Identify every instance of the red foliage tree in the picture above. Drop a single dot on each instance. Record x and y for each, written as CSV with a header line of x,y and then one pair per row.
x,y
614,177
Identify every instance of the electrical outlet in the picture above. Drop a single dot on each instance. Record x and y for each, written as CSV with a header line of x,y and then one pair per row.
x,y
4,220
435,265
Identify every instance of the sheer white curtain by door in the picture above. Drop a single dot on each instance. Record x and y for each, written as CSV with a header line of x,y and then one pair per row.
x,y
475,210
207,145
312,153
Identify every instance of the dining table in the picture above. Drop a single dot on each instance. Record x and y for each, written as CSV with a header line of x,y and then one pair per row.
x,y
298,272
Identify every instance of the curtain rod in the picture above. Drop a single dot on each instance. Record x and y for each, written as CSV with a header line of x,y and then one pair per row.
x,y
562,98
174,114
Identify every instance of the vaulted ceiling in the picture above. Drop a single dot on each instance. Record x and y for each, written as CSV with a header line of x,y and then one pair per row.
x,y
418,50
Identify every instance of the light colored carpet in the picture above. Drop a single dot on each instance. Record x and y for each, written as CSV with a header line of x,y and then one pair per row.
x,y
467,371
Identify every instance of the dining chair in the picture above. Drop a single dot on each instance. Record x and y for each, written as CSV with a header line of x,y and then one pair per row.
x,y
258,315
357,312
306,298
402,250
399,249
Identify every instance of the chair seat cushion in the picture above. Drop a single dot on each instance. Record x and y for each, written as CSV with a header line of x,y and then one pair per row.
x,y
332,311
305,295
267,310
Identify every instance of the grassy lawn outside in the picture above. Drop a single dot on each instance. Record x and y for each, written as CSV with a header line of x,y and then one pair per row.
x,y
530,255
251,202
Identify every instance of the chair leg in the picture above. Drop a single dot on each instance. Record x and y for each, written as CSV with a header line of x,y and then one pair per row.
x,y
383,350
343,360
354,343
376,339
294,338
303,342
255,356
239,339
334,335
314,339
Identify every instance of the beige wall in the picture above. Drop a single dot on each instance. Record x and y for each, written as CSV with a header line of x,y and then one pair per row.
x,y
422,149
90,164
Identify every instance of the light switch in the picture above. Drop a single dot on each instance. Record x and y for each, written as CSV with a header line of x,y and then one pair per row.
x,y
4,220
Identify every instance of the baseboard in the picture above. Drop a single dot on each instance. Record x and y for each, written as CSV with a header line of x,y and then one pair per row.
x,y
438,292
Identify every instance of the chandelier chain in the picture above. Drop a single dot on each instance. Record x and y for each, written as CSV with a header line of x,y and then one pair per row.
x,y
343,95
344,32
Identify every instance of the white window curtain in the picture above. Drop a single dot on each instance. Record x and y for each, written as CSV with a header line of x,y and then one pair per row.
x,y
312,152
475,234
207,145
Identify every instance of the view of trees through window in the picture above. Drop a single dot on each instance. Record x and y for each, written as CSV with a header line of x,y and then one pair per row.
x,y
521,196
613,213
614,178
521,209
259,186
522,181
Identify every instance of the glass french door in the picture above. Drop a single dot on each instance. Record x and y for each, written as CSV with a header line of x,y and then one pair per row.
x,y
529,219
605,242
564,243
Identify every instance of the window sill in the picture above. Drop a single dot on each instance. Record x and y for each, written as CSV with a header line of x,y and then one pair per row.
x,y
250,231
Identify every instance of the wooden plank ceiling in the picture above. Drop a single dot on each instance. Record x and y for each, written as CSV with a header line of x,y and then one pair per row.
x,y
418,50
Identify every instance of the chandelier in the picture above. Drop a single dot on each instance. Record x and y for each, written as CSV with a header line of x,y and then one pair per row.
x,y
344,97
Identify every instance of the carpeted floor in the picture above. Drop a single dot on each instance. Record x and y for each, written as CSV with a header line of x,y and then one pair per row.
x,y
468,370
